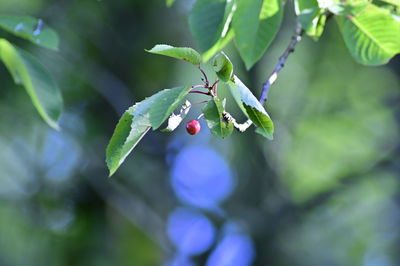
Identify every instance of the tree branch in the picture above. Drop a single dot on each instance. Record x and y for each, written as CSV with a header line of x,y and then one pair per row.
x,y
281,63
272,78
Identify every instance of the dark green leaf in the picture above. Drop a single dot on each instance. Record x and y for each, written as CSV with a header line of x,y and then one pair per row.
x,y
213,115
255,23
223,67
31,29
182,53
42,89
372,37
209,23
251,107
127,134
175,120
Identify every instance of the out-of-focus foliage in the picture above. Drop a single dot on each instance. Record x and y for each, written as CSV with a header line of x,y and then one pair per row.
x,y
325,191
40,86
27,70
31,29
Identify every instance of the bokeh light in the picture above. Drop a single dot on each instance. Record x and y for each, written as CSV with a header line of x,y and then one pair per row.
x,y
190,231
234,249
201,177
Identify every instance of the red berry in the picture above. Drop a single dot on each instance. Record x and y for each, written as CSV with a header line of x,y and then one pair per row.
x,y
193,127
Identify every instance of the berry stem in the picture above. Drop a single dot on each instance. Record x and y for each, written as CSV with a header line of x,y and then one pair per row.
x,y
214,87
200,92
201,86
205,80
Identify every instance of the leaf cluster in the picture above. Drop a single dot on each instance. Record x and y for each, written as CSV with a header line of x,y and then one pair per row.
x,y
370,29
157,109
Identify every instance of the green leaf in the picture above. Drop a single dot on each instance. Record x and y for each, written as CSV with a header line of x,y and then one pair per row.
x,y
209,22
213,115
392,2
251,107
31,29
182,53
306,11
342,7
256,23
137,121
372,37
175,120
42,89
127,134
169,3
164,103
316,31
311,17
221,43
223,67
264,124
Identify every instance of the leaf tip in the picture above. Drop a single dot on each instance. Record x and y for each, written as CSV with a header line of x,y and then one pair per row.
x,y
53,124
111,169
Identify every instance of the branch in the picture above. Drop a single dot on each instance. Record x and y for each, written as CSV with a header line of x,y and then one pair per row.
x,y
272,78
281,63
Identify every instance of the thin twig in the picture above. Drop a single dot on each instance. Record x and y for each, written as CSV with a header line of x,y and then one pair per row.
x,y
201,86
193,104
200,92
272,78
215,87
281,63
207,84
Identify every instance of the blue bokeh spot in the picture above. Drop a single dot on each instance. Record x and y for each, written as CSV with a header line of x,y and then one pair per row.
x,y
234,249
190,231
201,177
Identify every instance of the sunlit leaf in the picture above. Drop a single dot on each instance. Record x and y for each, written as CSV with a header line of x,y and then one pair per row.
x,y
182,53
31,29
136,122
164,103
372,37
169,2
223,67
42,89
255,24
343,7
251,107
306,11
209,23
311,17
213,115
175,120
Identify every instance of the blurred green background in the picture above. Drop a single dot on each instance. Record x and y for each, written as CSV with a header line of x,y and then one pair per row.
x,y
325,191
